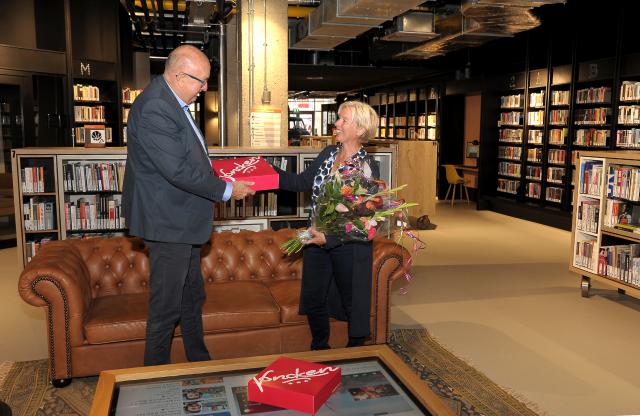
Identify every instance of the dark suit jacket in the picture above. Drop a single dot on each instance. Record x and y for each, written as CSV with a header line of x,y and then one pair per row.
x,y
168,182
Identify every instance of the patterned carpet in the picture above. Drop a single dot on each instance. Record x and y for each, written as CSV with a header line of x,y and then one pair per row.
x,y
24,385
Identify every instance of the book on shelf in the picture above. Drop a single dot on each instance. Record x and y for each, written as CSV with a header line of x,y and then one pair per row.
x,y
86,92
595,95
630,91
623,182
99,176
628,138
38,214
588,215
559,97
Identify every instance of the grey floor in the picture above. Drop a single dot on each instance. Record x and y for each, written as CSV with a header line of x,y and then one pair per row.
x,y
494,290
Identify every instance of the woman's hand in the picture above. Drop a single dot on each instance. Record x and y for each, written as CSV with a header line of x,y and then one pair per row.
x,y
316,237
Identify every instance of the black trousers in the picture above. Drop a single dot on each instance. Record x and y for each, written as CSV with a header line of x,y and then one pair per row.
x,y
323,267
176,296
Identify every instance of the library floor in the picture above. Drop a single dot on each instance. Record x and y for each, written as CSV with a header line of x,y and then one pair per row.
x,y
495,291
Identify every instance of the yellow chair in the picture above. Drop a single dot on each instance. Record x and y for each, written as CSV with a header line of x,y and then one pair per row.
x,y
454,179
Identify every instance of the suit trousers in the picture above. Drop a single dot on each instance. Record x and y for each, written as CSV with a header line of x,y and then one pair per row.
x,y
176,297
321,267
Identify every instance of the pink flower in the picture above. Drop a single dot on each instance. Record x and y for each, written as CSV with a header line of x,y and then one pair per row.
x,y
348,227
372,233
341,208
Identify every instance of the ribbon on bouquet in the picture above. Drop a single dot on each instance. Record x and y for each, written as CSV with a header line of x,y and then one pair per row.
x,y
418,244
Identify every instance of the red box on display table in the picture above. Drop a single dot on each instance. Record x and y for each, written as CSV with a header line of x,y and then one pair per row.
x,y
252,169
294,384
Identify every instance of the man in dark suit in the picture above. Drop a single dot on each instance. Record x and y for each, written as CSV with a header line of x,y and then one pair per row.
x,y
168,192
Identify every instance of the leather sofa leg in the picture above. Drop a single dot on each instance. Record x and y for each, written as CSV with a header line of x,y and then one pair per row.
x,y
61,382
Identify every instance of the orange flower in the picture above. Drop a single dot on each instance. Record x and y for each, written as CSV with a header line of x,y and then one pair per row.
x,y
346,190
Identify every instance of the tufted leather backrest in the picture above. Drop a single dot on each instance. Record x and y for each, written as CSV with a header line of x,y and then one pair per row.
x,y
249,255
120,265
116,265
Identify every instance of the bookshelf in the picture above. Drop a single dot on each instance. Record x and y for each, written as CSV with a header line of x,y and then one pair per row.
x,y
408,114
606,220
128,97
95,103
76,192
511,137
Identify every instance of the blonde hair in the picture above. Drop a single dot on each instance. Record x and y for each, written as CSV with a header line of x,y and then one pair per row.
x,y
364,116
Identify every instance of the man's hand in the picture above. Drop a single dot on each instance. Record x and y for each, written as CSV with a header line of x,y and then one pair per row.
x,y
316,237
241,189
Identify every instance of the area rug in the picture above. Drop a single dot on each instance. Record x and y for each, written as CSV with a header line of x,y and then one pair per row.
x,y
467,391
24,385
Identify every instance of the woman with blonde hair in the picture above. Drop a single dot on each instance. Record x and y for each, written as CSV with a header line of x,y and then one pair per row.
x,y
336,274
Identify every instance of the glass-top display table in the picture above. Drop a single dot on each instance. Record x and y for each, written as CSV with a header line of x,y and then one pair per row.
x,y
375,381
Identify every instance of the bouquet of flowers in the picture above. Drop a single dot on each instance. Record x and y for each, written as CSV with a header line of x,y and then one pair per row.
x,y
352,207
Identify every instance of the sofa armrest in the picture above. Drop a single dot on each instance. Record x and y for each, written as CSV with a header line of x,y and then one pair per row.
x,y
57,279
389,261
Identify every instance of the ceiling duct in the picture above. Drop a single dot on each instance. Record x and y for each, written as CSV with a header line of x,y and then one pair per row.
x,y
412,27
336,21
476,22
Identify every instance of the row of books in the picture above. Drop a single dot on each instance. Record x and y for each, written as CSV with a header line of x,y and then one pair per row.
x,y
630,91
628,138
94,213
536,99
93,176
129,95
86,92
554,194
512,101
258,205
591,174
535,136
559,97
629,114
594,95
535,118
622,215
511,135
509,169
512,118
533,190
32,179
534,172
84,113
125,115
623,182
509,152
39,214
508,186
620,262
592,137
559,117
534,155
588,215
583,253
557,136
586,116
555,175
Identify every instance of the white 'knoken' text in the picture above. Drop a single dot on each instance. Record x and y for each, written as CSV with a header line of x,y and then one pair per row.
x,y
294,377
247,166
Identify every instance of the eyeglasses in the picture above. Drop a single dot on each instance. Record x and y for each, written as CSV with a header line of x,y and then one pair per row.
x,y
202,82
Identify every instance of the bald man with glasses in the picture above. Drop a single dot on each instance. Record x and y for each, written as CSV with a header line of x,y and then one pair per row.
x,y
169,189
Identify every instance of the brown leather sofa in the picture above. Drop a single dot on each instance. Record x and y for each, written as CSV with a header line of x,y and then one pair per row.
x,y
94,292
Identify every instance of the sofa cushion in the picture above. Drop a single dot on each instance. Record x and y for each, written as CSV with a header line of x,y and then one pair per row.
x,y
117,318
229,306
239,305
287,295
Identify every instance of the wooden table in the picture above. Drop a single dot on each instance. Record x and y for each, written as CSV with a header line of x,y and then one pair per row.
x,y
109,381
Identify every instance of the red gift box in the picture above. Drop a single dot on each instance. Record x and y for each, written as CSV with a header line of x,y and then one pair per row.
x,y
252,169
294,384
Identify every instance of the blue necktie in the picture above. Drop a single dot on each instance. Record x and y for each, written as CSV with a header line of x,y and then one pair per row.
x,y
193,125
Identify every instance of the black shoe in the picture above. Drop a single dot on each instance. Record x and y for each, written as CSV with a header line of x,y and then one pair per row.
x,y
355,342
